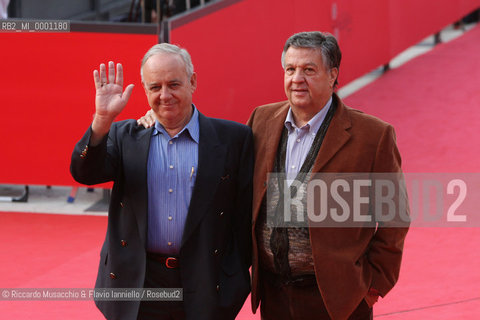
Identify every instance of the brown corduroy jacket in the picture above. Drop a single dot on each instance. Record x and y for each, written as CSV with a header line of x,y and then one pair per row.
x,y
347,261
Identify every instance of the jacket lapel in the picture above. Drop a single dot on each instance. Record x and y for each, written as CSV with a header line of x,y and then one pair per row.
x,y
275,127
211,163
269,140
336,137
137,153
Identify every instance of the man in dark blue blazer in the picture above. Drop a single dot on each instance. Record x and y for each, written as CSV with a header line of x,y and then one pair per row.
x,y
180,211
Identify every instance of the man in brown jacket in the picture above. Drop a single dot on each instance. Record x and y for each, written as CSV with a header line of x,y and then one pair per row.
x,y
319,272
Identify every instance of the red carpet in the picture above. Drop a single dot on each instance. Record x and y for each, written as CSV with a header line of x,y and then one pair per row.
x,y
433,102
49,251
440,276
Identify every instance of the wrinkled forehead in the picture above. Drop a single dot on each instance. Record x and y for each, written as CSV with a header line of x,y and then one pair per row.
x,y
301,55
165,64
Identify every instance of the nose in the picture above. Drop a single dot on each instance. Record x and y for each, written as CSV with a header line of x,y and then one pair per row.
x,y
298,76
165,94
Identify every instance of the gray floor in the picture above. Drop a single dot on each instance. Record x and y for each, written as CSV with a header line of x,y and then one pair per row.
x,y
54,199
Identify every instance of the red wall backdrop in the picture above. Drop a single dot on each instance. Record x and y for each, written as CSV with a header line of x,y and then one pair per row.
x,y
236,50
47,97
47,94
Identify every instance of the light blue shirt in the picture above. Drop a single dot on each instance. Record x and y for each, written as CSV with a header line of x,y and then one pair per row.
x,y
300,140
171,172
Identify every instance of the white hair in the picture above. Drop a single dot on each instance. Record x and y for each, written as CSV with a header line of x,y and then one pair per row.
x,y
169,48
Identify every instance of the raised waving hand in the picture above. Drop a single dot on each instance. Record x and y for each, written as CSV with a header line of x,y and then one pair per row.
x,y
110,98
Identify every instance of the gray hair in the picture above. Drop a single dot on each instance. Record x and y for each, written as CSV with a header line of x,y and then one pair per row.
x,y
331,54
169,48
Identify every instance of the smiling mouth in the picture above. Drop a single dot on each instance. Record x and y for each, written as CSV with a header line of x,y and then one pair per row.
x,y
167,105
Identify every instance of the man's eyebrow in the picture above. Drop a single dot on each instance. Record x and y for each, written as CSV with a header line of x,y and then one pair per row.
x,y
308,64
170,81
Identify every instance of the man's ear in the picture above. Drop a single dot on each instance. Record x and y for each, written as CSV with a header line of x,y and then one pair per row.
x,y
193,82
333,76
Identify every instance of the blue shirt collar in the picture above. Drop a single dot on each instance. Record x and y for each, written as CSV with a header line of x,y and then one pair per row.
x,y
313,125
192,127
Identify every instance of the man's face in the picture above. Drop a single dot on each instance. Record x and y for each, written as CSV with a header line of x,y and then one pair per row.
x,y
308,84
168,88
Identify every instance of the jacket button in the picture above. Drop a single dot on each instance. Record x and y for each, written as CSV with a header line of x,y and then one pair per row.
x,y
123,243
113,276
221,214
218,288
216,252
84,152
